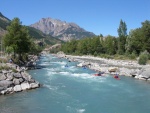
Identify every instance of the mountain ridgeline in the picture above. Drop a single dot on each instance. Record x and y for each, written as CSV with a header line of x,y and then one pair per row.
x,y
61,29
4,22
36,34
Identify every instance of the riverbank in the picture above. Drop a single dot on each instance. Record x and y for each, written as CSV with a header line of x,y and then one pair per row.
x,y
111,66
14,78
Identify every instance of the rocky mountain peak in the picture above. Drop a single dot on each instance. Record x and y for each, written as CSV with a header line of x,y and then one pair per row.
x,y
61,29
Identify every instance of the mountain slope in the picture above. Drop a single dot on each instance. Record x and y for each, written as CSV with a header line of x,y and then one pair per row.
x,y
37,35
40,36
61,29
4,22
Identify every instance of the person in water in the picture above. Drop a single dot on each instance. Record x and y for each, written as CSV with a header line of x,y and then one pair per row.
x,y
116,76
99,73
84,67
66,65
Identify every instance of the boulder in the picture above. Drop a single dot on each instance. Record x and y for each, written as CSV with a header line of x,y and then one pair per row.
x,y
34,85
148,80
113,69
26,77
9,76
16,81
141,78
7,91
25,86
2,88
21,80
6,83
10,89
2,77
32,80
4,72
17,75
145,73
3,92
17,88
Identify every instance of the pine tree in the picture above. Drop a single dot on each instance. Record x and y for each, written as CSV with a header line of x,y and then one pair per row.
x,y
122,32
17,38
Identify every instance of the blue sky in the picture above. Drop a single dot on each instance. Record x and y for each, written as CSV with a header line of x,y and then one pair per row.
x,y
97,16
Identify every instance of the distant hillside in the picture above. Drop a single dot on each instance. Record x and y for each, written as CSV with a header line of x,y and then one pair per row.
x,y
40,36
35,33
4,22
61,29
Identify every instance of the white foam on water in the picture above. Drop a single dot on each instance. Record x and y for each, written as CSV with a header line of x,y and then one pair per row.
x,y
50,87
50,73
70,109
74,110
84,76
65,73
61,63
80,110
44,64
72,68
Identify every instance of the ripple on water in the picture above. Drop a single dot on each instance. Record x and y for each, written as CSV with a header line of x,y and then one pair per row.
x,y
74,110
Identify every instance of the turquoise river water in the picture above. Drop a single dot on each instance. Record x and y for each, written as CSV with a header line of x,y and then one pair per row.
x,y
75,90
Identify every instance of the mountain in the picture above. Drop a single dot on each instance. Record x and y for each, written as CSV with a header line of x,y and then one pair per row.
x,y
4,22
61,29
36,34
40,36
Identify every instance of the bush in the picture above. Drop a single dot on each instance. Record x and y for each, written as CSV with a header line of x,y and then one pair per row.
x,y
133,55
3,60
5,67
95,53
143,58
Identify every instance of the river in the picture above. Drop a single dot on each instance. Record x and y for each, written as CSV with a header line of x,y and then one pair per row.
x,y
71,89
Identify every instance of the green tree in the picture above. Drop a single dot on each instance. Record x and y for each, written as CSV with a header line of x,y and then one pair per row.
x,y
110,45
139,39
145,29
122,33
17,38
82,47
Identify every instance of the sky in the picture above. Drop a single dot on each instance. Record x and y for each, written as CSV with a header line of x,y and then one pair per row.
x,y
97,16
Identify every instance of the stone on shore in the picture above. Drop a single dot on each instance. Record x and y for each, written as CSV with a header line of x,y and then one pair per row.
x,y
2,77
26,76
6,83
7,91
9,76
1,88
17,75
34,85
113,69
145,73
17,88
16,81
25,86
